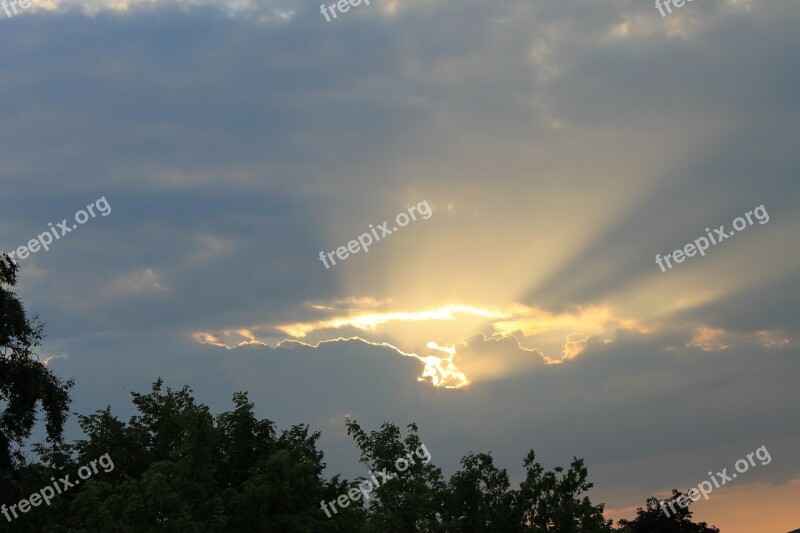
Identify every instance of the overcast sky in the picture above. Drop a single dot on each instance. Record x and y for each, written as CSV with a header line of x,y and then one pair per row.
x,y
560,145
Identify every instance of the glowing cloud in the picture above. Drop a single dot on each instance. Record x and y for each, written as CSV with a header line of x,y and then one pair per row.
x,y
711,339
371,321
464,358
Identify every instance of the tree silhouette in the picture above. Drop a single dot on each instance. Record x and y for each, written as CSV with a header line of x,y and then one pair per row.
x,y
551,501
477,498
412,500
25,382
176,467
653,519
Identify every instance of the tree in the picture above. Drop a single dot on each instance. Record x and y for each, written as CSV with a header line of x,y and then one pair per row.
x,y
653,519
550,501
25,382
175,467
411,500
478,498
178,468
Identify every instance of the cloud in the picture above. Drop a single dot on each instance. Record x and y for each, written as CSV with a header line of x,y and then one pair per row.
x,y
716,339
142,280
372,321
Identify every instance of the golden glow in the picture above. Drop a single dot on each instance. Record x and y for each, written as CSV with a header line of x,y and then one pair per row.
x,y
204,337
441,370
347,303
442,373
574,345
371,321
457,357
711,339
520,338
589,320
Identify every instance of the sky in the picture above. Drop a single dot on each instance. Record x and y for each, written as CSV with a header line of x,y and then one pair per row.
x,y
552,150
